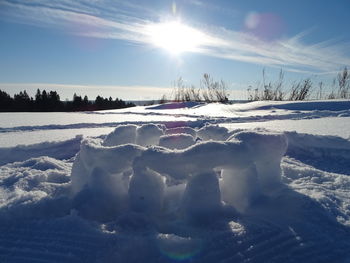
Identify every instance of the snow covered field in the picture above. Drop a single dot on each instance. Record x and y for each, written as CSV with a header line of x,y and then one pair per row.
x,y
186,182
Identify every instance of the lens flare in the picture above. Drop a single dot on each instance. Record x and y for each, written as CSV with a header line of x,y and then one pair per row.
x,y
179,248
266,26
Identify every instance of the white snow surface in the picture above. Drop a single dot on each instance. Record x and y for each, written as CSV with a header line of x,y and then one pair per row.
x,y
191,182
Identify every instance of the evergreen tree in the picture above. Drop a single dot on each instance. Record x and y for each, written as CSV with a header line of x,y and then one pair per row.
x,y
5,101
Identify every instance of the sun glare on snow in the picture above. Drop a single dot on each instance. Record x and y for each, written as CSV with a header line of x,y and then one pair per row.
x,y
175,37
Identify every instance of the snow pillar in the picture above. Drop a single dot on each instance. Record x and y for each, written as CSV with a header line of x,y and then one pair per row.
x,y
201,197
240,187
146,191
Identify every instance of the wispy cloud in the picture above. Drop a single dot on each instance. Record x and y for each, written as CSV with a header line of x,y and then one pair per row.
x,y
127,21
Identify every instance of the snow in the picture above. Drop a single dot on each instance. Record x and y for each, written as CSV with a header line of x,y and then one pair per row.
x,y
123,134
184,130
335,126
201,198
193,182
176,141
59,150
146,191
149,134
214,133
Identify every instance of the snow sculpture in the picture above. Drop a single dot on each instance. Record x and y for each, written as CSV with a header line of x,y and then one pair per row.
x,y
109,179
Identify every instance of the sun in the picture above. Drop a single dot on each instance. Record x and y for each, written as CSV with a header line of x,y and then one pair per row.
x,y
175,37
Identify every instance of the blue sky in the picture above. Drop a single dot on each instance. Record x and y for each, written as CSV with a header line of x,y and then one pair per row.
x,y
118,48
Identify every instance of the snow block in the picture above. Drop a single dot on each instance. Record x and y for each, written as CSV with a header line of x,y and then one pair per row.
x,y
267,149
213,132
104,198
123,134
176,141
146,191
199,158
202,198
240,187
148,134
184,130
113,160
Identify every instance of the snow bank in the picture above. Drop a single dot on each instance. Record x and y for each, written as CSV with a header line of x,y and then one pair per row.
x,y
175,105
322,152
36,188
330,105
58,150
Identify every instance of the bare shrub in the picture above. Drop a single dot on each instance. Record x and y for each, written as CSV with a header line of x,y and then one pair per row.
x,y
301,90
344,84
209,91
213,91
270,90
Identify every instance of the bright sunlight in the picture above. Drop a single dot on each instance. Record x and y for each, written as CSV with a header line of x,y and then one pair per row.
x,y
175,37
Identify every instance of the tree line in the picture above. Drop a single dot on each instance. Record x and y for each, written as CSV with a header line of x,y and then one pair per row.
x,y
50,101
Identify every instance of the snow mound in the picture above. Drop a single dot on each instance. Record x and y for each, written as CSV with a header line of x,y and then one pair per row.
x,y
36,188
